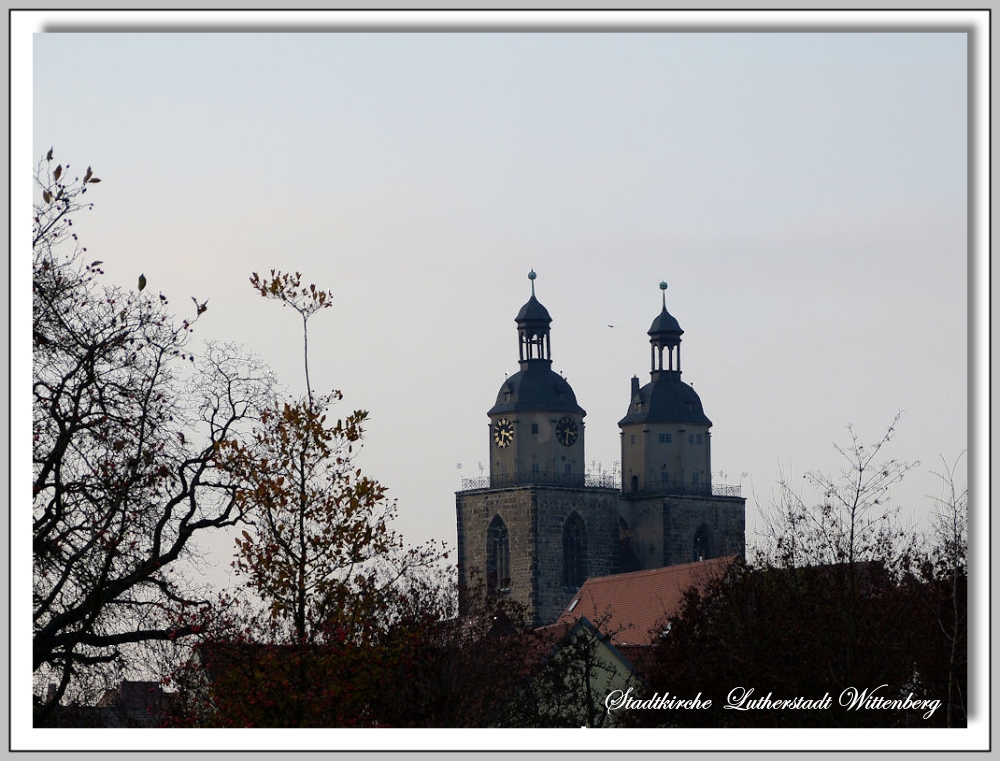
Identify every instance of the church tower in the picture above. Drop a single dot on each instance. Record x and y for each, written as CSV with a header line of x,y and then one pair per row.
x,y
538,525
666,445
536,426
673,513
534,529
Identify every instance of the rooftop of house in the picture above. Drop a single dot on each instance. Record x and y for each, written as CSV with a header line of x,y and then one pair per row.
x,y
632,608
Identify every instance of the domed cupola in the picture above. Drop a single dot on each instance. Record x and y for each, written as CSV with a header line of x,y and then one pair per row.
x,y
536,425
665,433
665,327
535,386
665,399
665,334
533,323
536,389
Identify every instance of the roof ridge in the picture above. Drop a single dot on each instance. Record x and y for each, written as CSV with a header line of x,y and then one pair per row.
x,y
652,571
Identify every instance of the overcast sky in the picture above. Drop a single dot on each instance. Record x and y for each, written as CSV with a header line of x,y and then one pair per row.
x,y
803,194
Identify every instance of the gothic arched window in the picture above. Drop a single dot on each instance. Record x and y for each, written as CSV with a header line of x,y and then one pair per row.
x,y
497,555
574,551
702,548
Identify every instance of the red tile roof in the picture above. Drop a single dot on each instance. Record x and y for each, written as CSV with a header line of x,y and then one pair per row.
x,y
631,606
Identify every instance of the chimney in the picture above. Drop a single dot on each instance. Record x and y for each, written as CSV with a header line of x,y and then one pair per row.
x,y
635,385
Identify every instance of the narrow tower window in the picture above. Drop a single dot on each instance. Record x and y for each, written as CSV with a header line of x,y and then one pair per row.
x,y
574,551
702,551
497,555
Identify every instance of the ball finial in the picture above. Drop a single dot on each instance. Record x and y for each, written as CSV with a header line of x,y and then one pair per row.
x,y
531,277
663,285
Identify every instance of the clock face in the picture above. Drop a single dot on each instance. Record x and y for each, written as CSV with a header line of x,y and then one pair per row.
x,y
503,432
566,431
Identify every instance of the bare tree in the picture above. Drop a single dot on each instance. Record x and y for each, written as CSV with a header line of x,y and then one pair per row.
x,y
126,423
837,596
945,595
851,527
853,519
950,523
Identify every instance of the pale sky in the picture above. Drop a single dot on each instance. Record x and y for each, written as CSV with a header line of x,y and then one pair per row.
x,y
803,194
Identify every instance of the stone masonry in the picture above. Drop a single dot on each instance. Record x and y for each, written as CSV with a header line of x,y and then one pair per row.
x,y
535,517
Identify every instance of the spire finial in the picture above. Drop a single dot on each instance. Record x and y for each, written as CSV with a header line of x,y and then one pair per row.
x,y
663,287
531,277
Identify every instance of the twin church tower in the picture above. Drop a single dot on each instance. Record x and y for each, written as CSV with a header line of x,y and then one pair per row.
x,y
539,525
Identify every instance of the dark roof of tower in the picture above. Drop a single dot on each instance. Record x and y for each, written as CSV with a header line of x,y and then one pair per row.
x,y
667,399
533,311
665,323
536,388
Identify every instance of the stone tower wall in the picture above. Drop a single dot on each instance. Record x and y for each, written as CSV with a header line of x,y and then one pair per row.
x,y
475,512
648,457
535,516
599,510
725,518
644,518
